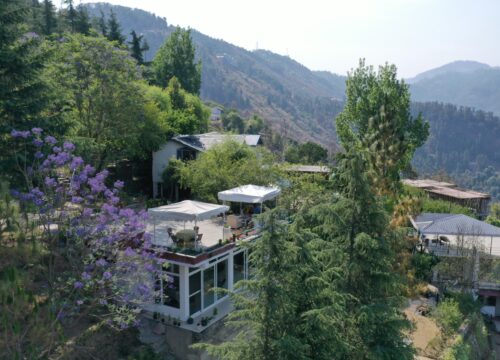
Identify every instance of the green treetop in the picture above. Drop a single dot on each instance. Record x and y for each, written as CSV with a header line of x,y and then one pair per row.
x,y
137,47
114,32
377,116
49,20
176,57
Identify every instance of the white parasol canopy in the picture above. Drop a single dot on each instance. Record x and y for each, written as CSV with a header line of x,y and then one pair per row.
x,y
251,194
187,210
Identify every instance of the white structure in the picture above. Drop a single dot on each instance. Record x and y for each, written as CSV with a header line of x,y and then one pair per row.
x,y
251,194
449,234
211,258
187,147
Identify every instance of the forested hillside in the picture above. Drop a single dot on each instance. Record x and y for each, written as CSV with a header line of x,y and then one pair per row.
x,y
463,83
464,143
297,101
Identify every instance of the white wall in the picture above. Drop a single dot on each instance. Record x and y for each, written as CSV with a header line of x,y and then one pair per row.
x,y
162,157
486,244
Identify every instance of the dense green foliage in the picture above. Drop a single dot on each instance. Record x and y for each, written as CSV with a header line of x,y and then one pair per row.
x,y
377,117
494,217
176,58
225,166
464,143
306,153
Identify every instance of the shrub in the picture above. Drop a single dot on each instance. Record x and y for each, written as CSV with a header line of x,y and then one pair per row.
x,y
423,263
448,316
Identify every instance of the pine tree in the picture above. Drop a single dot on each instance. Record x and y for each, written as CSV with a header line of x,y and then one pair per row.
x,y
23,91
114,29
49,20
71,15
176,57
102,25
82,24
137,47
265,315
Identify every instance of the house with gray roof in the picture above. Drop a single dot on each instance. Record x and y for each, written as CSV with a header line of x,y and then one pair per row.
x,y
448,234
187,147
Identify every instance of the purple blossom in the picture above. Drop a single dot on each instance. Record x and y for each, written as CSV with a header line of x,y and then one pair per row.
x,y
79,302
37,131
78,285
39,155
87,212
38,142
129,252
51,182
50,140
109,209
103,301
88,170
20,134
15,193
119,184
86,276
56,149
149,267
68,146
101,262
76,163
76,199
106,275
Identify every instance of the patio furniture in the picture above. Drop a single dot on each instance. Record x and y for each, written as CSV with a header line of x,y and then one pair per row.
x,y
233,221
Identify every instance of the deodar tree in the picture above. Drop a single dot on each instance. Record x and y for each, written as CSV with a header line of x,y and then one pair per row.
x,y
176,58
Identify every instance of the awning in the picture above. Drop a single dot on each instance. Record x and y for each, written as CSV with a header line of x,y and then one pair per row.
x,y
187,210
252,194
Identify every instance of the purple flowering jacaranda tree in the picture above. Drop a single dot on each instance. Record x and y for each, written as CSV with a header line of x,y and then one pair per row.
x,y
100,259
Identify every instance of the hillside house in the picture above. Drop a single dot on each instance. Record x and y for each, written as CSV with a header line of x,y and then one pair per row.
x,y
455,234
477,201
187,147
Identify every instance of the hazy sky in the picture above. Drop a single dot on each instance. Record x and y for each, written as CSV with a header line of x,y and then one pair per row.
x,y
416,35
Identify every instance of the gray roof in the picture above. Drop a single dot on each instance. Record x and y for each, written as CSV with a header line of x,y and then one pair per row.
x,y
203,142
453,224
310,169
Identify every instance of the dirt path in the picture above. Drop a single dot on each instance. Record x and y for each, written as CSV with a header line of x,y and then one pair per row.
x,y
425,329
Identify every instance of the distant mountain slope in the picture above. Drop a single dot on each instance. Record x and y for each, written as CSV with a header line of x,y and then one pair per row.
x,y
463,83
295,100
460,66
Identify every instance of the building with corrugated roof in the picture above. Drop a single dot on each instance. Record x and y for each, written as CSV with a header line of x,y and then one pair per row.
x,y
477,201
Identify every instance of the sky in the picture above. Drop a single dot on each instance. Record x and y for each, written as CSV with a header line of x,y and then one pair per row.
x,y
416,35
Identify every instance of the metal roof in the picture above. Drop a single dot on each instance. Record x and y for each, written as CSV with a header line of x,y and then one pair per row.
x,y
203,142
453,224
426,183
445,189
310,169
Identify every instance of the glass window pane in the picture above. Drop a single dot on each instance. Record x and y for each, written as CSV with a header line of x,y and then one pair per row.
x,y
194,303
208,284
194,283
222,276
239,267
171,293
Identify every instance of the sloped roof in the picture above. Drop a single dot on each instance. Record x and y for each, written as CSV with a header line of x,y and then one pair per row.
x,y
187,210
203,142
310,169
250,194
453,224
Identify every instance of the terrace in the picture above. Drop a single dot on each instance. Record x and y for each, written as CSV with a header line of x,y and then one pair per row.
x,y
201,245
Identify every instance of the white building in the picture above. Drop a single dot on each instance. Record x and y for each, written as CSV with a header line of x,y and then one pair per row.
x,y
203,257
451,234
187,147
